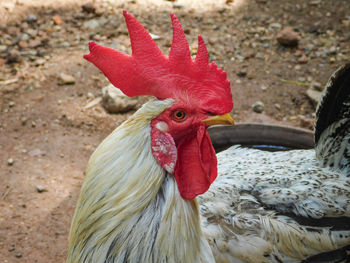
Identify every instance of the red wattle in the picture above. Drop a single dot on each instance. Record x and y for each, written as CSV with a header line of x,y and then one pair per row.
x,y
196,166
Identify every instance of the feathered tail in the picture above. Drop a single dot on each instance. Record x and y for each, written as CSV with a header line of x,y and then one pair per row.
x,y
332,129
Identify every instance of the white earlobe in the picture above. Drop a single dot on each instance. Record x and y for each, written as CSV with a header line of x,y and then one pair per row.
x,y
162,126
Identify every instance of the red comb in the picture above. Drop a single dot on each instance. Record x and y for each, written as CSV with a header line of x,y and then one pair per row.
x,y
148,72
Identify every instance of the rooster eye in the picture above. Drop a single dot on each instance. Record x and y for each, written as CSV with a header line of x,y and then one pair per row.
x,y
179,115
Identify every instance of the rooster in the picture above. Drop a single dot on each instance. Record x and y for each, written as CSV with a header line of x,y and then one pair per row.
x,y
146,195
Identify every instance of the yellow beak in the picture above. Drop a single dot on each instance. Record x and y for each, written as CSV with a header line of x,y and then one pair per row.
x,y
219,119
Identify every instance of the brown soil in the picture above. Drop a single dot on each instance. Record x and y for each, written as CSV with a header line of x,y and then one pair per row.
x,y
49,135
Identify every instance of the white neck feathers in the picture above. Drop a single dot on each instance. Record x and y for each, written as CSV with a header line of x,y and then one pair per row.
x,y
129,209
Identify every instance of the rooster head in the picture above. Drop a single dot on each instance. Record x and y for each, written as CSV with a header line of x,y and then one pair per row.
x,y
200,92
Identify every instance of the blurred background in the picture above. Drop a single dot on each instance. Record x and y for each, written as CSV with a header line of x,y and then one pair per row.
x,y
55,108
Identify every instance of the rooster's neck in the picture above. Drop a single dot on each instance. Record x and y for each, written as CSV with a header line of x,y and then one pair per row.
x,y
130,209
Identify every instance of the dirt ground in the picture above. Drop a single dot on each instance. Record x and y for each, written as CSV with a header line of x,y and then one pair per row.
x,y
47,133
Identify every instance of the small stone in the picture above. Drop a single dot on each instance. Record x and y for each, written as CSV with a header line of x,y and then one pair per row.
x,y
91,24
258,107
24,26
18,254
114,101
40,53
14,56
332,51
24,120
11,104
346,22
41,189
40,61
317,85
34,43
37,152
259,55
93,103
10,161
332,60
307,122
240,58
57,20
275,25
31,18
23,44
38,98
3,48
25,36
277,106
303,59
65,79
13,30
32,32
313,95
9,5
33,124
250,75
89,8
99,11
65,44
288,37
178,6
242,73
298,53
249,54
315,2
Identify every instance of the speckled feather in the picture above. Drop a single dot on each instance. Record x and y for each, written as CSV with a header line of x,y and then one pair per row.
x,y
242,213
272,206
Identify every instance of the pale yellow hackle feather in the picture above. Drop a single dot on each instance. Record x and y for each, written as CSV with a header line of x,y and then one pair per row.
x,y
118,198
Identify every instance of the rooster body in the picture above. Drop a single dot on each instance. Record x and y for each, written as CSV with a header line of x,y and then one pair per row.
x,y
141,200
